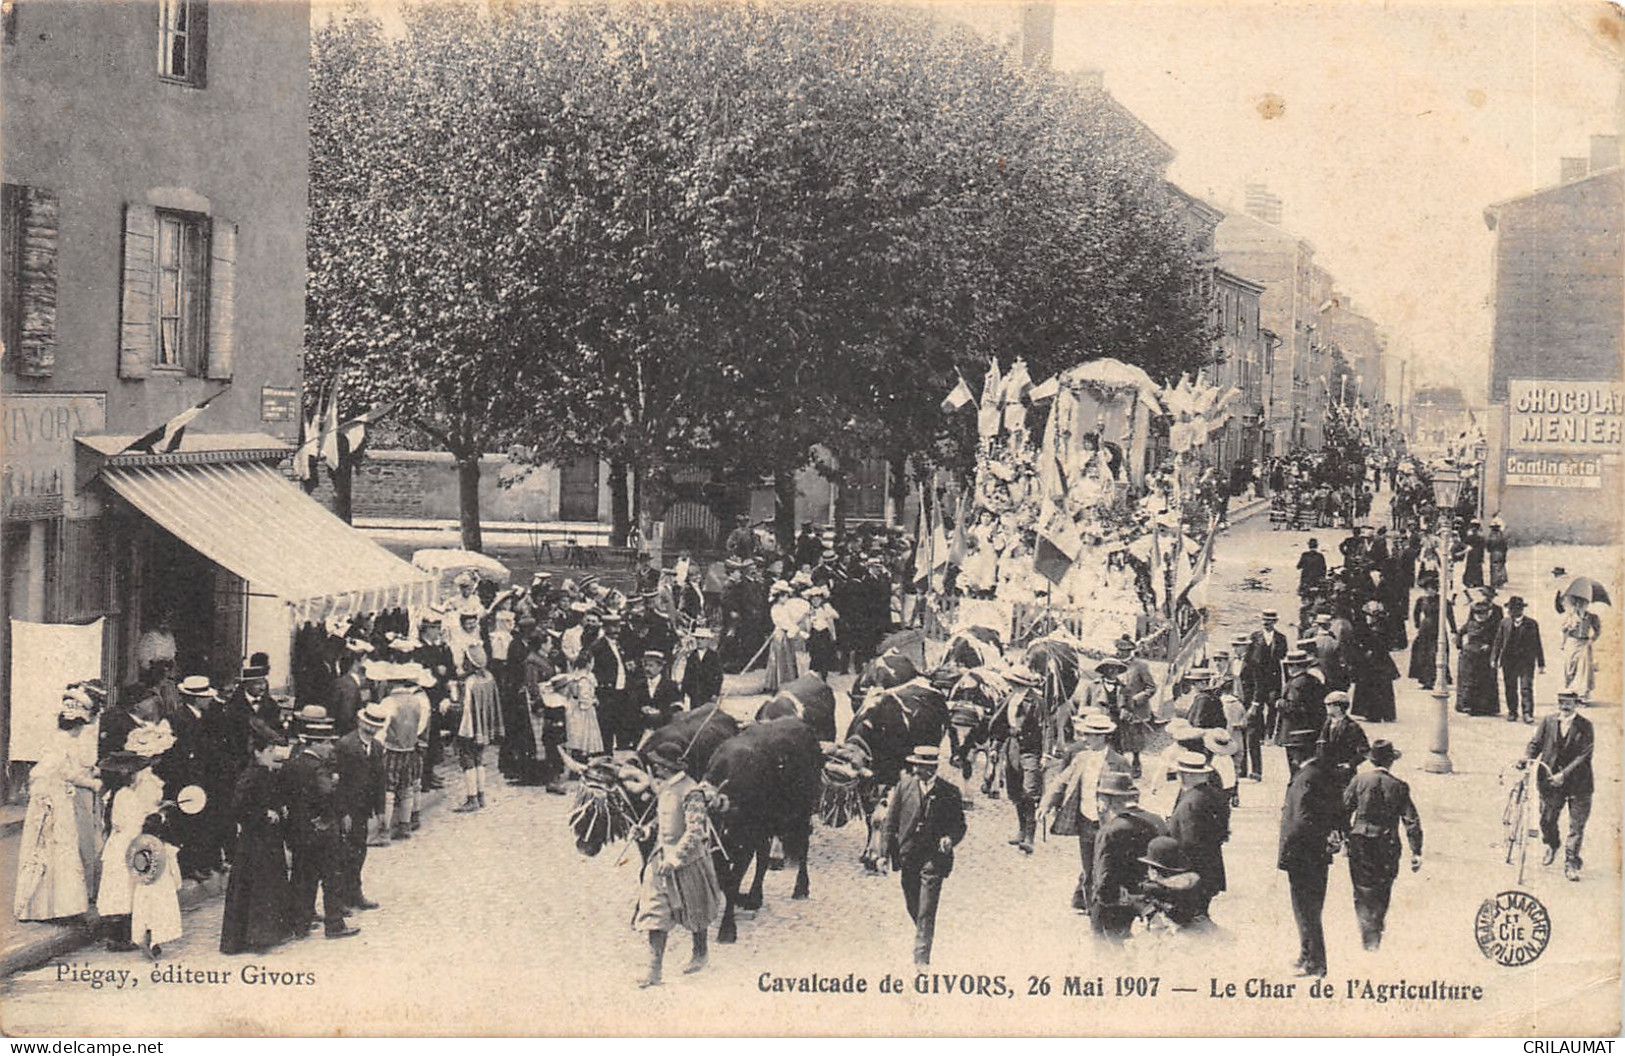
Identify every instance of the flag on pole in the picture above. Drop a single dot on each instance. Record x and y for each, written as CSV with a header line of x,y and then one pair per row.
x,y
353,433
309,452
959,397
1203,562
328,443
167,437
990,413
922,545
960,544
1058,546
1159,575
1045,391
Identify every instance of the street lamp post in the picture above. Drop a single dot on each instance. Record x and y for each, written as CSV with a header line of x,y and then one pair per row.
x,y
1446,491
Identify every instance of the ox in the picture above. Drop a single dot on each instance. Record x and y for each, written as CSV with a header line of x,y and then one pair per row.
x,y
862,770
807,698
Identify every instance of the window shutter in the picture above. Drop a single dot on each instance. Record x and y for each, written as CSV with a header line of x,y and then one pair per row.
x,y
135,347
198,44
222,298
36,341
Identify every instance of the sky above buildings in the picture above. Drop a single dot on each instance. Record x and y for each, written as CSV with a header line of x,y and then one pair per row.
x,y
1393,126
1386,128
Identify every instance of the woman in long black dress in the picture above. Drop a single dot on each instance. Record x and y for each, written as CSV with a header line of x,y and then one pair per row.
x,y
1374,669
259,901
1425,645
1475,690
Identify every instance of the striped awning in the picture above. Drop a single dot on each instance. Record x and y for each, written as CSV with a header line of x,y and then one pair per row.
x,y
248,518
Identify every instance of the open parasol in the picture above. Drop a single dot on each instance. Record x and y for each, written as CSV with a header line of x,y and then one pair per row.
x,y
1587,589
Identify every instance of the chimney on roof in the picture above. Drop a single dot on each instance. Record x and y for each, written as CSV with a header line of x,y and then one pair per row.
x,y
1038,33
1571,169
1263,205
1604,152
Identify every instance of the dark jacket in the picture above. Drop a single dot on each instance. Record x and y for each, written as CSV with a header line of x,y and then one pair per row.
x,y
1569,756
1305,707
1261,665
666,700
360,790
1343,748
1376,804
1311,812
308,785
347,703
702,678
1311,570
1119,846
1517,649
915,825
1201,824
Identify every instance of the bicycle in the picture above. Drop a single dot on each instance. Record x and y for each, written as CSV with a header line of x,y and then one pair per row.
x,y
1521,811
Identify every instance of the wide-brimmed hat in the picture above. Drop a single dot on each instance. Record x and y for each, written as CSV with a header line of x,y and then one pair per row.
x,y
1298,658
373,717
196,686
1193,763
1123,645
1109,667
1116,783
1181,730
150,739
1220,742
146,858
123,762
1382,751
924,755
779,587
1164,855
1098,723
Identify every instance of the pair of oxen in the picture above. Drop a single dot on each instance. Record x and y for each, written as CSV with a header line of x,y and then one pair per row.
x,y
766,779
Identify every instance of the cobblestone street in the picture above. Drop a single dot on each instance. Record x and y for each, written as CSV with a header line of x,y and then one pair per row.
x,y
493,922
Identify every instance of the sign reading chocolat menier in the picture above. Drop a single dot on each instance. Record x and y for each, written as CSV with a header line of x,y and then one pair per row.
x,y
1566,416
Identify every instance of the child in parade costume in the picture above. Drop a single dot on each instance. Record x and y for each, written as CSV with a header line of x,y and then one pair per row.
x,y
481,725
115,896
679,883
821,632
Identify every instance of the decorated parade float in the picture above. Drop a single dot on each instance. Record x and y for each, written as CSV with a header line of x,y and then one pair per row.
x,y
1076,524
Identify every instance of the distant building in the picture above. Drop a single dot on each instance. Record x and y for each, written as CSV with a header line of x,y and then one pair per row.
x,y
1244,353
1439,416
1555,378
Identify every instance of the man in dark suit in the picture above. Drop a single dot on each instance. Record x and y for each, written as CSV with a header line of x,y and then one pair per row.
x,y
1310,815
618,718
702,672
347,696
1331,650
191,762
1261,684
1303,702
359,796
309,783
1126,831
1563,743
1518,653
1342,741
922,827
1375,805
654,696
1311,569
1201,824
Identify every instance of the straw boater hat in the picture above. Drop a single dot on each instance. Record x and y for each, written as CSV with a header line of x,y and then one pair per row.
x,y
372,717
1569,698
1239,642
1199,673
312,723
925,755
1269,616
1323,619
197,686
654,654
1193,763
1097,724
705,634
1299,658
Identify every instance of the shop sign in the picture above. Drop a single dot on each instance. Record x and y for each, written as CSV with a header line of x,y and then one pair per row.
x,y
1569,416
37,450
1552,471
278,404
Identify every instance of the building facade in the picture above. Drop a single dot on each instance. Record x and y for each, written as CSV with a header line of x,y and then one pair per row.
x,y
1243,355
1557,402
154,258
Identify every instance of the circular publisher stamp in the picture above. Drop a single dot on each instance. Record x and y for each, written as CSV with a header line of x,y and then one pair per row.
x,y
1512,928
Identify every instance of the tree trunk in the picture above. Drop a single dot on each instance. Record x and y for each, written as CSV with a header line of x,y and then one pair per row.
x,y
620,506
784,510
468,500
343,483
899,488
842,504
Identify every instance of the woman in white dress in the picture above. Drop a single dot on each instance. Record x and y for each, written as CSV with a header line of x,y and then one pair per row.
x,y
1580,628
789,614
577,691
56,864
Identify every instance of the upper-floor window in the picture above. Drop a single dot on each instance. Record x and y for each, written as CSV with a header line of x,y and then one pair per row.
x,y
183,30
183,291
